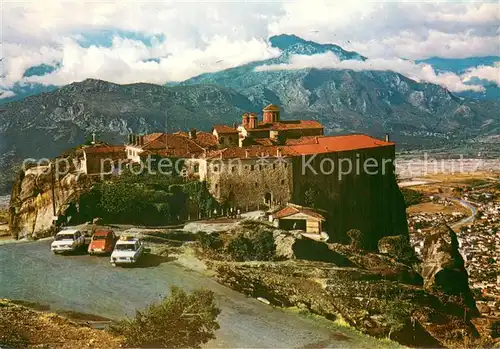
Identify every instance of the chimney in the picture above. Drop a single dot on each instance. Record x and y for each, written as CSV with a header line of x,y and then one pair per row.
x,y
244,120
252,122
387,137
246,153
130,135
234,125
141,140
192,133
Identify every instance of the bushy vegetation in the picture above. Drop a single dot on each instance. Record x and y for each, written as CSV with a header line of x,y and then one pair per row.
x,y
412,197
476,182
397,313
210,241
146,199
181,320
243,244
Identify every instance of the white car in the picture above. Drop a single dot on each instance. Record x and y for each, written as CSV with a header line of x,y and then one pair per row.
x,y
67,240
128,250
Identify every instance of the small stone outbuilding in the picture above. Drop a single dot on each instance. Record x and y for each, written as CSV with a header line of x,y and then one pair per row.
x,y
295,217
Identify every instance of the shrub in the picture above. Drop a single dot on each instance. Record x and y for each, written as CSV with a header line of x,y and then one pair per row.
x,y
397,314
240,248
181,320
263,246
210,241
412,197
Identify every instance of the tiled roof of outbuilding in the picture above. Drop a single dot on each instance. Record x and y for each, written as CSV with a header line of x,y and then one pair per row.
x,y
290,210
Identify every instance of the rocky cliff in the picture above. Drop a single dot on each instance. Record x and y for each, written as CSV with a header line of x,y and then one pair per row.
x,y
38,196
382,294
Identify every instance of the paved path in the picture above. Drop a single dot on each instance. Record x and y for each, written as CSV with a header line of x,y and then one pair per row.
x,y
87,284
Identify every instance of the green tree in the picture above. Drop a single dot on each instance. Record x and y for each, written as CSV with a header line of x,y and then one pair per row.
x,y
181,320
412,197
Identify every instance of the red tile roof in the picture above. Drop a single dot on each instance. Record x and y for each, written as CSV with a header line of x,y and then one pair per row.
x,y
206,139
180,145
263,141
203,139
302,146
290,210
330,144
224,129
302,140
173,145
104,149
287,125
253,151
151,137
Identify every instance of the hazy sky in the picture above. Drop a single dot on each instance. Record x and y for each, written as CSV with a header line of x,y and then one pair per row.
x,y
160,41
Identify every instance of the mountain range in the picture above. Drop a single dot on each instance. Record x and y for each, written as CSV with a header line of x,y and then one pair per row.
x,y
416,114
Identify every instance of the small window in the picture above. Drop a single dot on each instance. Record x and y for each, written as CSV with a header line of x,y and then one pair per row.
x,y
251,167
216,169
196,168
260,167
246,167
274,166
216,186
256,184
233,168
221,140
285,164
230,139
282,182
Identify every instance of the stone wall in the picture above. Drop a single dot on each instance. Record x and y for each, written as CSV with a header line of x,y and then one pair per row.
x,y
244,183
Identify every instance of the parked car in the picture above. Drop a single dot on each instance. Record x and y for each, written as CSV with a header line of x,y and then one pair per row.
x,y
67,240
102,242
128,250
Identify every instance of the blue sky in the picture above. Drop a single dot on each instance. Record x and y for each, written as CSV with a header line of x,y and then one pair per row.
x,y
158,42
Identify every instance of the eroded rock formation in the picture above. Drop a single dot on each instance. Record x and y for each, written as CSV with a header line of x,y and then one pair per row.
x,y
443,267
381,294
38,197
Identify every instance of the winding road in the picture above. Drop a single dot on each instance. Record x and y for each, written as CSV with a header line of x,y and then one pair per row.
x,y
29,271
469,219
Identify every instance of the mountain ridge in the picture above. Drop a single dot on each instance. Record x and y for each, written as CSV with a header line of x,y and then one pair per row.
x,y
417,115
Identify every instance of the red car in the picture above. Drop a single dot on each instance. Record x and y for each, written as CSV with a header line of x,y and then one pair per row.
x,y
103,242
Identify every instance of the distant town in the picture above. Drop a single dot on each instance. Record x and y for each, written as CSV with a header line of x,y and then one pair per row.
x,y
471,205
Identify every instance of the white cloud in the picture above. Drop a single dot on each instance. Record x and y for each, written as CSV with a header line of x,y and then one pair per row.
x,y
412,30
6,94
210,36
417,72
126,61
484,73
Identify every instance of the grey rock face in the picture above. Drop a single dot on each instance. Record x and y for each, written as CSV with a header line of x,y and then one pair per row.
x,y
396,246
443,267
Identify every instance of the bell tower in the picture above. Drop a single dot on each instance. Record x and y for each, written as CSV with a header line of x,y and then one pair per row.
x,y
271,114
